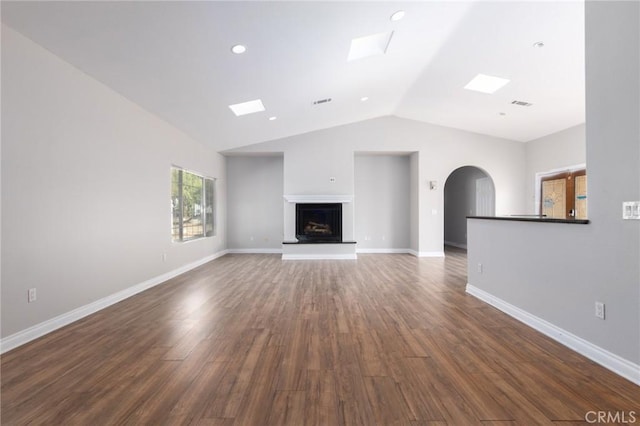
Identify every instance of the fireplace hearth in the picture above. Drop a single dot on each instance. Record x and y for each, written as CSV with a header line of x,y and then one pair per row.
x,y
319,223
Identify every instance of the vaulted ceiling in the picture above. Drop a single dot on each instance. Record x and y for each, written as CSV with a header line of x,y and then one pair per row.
x,y
175,60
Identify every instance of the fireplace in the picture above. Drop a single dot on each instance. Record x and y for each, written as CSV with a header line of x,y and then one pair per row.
x,y
319,223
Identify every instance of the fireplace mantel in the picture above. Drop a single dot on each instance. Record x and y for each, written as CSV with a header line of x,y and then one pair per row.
x,y
319,198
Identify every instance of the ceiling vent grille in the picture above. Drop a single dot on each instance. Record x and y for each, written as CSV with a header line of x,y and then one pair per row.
x,y
521,103
322,101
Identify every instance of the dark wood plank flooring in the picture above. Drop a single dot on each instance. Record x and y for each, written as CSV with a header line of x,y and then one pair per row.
x,y
254,340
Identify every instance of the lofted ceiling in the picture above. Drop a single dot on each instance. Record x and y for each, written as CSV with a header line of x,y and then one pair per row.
x,y
175,60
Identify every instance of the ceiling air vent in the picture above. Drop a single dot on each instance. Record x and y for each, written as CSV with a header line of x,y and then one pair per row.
x,y
322,101
521,103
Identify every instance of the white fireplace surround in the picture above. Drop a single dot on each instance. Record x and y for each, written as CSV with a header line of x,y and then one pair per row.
x,y
318,251
319,198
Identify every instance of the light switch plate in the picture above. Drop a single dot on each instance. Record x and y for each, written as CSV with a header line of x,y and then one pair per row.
x,y
631,210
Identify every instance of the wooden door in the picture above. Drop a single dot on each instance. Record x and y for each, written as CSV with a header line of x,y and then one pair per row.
x,y
581,196
564,195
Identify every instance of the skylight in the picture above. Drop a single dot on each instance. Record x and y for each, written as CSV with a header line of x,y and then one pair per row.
x,y
371,45
486,83
247,107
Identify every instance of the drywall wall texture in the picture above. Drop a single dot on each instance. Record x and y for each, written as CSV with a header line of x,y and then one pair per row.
x,y
255,203
460,202
85,188
558,271
562,150
312,159
382,202
414,199
613,161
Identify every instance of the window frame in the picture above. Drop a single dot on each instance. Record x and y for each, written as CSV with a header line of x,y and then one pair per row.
x,y
207,210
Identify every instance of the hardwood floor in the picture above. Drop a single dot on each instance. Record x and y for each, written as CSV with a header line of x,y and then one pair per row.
x,y
254,340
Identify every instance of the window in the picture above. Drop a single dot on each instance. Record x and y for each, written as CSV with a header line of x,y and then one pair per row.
x,y
564,195
192,201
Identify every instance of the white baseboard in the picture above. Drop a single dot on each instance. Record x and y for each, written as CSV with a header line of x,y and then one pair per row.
x,y
404,251
452,244
255,251
348,256
426,253
382,250
38,330
611,361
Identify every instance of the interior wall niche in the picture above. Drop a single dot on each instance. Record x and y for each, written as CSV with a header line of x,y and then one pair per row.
x,y
383,205
254,202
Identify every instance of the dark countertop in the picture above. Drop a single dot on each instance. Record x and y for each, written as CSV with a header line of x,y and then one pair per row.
x,y
532,219
318,242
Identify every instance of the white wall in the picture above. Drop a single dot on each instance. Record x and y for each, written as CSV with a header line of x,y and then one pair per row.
x,y
255,203
85,188
460,202
557,272
382,202
311,159
558,151
308,168
414,202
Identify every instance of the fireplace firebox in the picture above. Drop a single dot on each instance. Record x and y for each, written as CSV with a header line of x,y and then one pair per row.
x,y
319,223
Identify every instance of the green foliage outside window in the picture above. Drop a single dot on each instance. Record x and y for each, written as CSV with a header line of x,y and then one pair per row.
x,y
192,199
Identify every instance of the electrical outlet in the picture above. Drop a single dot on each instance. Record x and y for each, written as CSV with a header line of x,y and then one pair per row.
x,y
480,267
32,296
600,310
164,257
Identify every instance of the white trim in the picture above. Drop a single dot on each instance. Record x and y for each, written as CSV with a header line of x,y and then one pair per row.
x,y
319,198
39,330
427,253
611,361
255,251
452,244
383,250
348,256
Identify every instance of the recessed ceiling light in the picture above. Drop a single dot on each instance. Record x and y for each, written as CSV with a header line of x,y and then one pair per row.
x,y
372,45
538,44
273,118
398,15
502,113
486,83
238,49
249,107
364,98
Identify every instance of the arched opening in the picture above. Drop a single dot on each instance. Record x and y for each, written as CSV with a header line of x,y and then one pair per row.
x,y
468,191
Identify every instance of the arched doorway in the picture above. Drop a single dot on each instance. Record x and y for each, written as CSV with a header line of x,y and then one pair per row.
x,y
468,191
